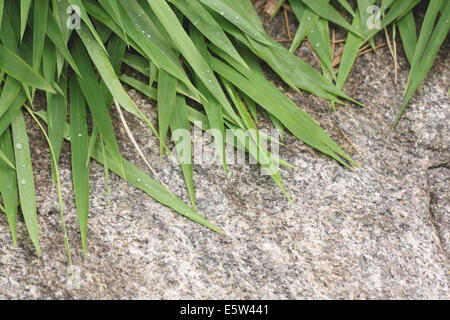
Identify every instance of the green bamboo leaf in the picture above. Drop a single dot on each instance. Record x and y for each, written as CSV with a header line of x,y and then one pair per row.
x,y
247,9
6,160
153,74
58,184
294,71
2,3
56,105
13,110
19,69
232,11
293,118
91,90
367,13
97,12
9,93
179,125
407,29
115,7
255,66
251,106
79,148
347,7
206,24
429,55
278,125
85,17
8,183
411,6
307,20
152,93
200,120
109,76
212,107
55,12
116,50
425,35
140,64
319,37
7,33
39,29
288,67
167,91
259,150
152,45
24,10
25,179
159,26
191,53
351,49
104,32
57,37
59,12
326,11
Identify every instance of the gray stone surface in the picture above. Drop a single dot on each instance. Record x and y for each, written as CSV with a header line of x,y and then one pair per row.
x,y
379,232
439,183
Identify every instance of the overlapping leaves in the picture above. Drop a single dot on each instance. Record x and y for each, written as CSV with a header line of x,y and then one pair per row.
x,y
369,18
202,50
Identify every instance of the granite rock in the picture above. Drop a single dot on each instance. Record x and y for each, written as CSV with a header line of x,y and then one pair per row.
x,y
380,232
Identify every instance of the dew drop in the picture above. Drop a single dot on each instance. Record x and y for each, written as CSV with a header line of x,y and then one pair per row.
x,y
23,181
19,146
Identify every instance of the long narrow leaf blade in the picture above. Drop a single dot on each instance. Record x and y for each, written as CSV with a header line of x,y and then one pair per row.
x,y
79,148
16,67
8,183
25,179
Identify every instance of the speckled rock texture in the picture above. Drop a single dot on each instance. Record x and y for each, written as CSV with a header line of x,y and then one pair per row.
x,y
380,232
